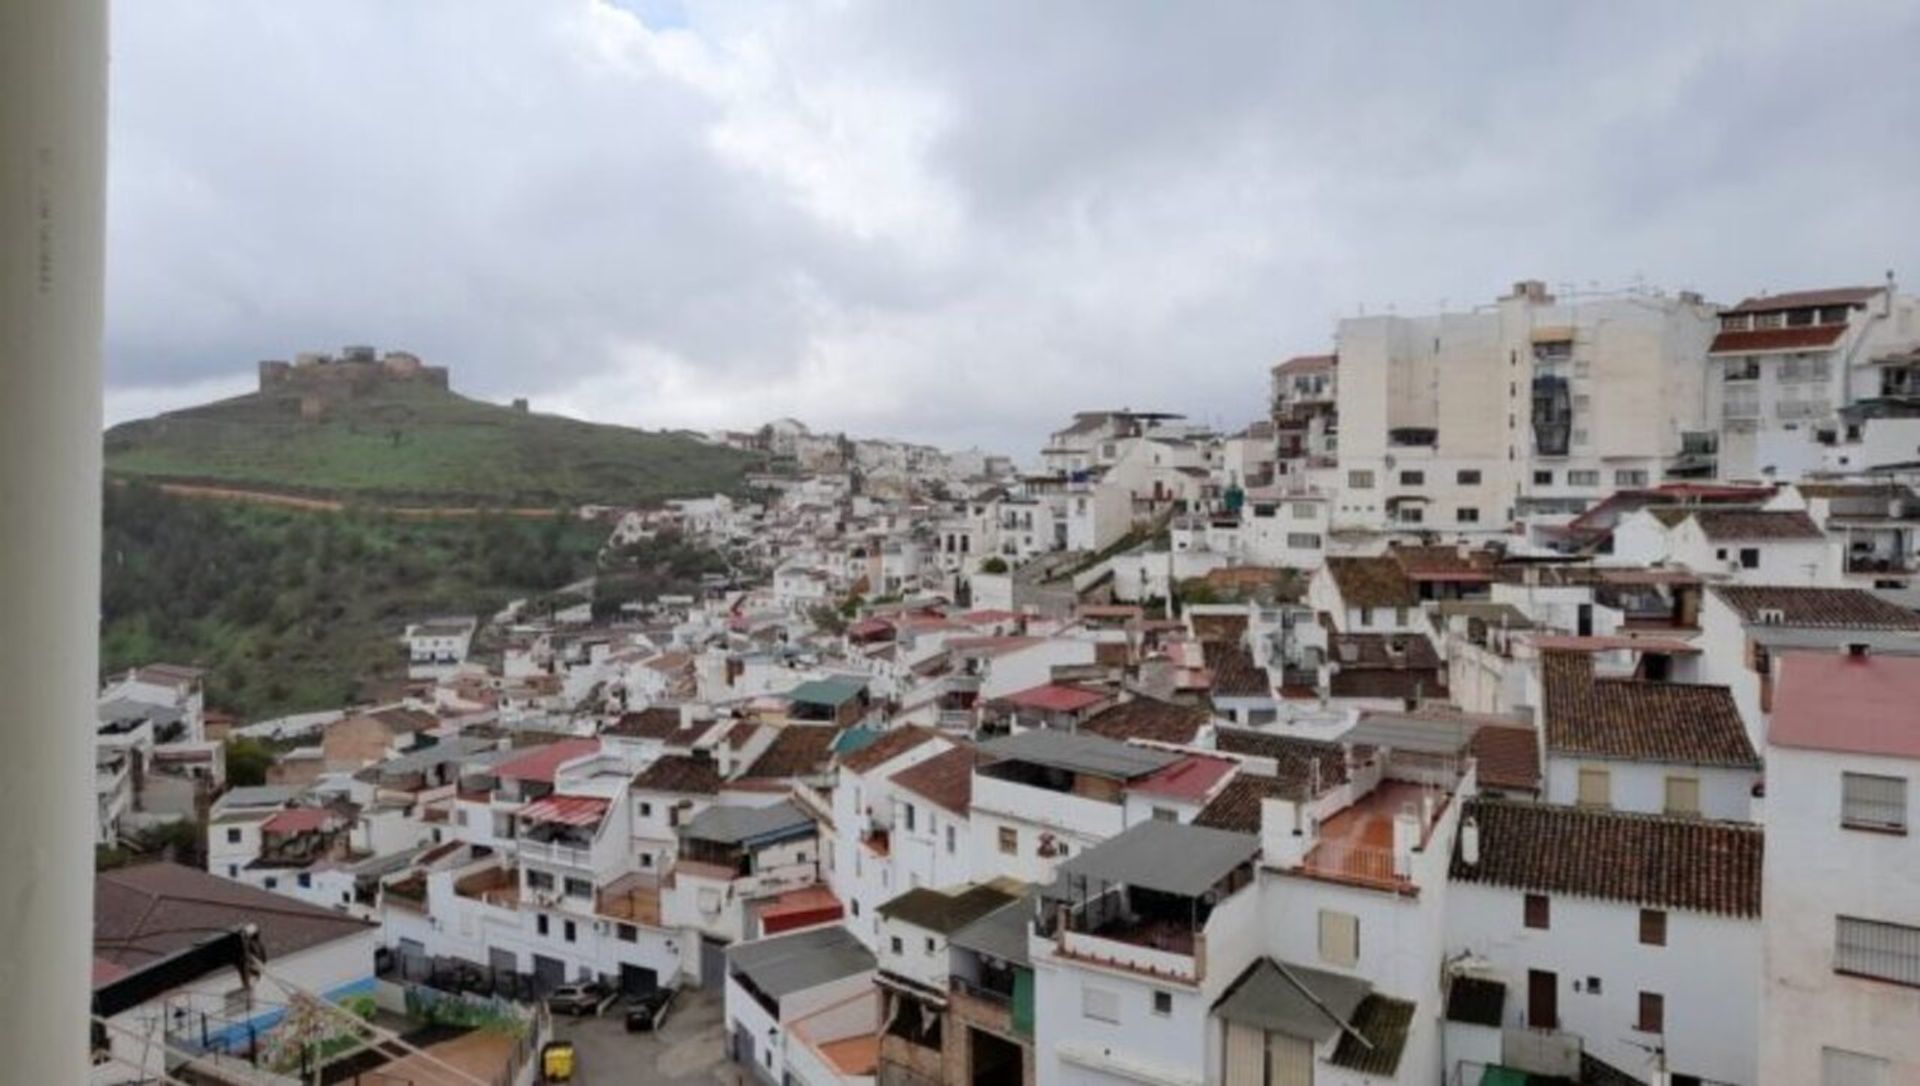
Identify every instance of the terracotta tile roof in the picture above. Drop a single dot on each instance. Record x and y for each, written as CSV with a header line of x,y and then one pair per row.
x,y
148,911
1297,759
1776,339
1648,860
1639,721
658,722
890,745
1372,582
1730,524
1055,698
945,779
1367,669
540,763
1440,563
1191,778
1805,299
1147,718
1234,673
679,773
799,750
1237,807
1307,363
1228,628
1887,490
1827,608
1508,757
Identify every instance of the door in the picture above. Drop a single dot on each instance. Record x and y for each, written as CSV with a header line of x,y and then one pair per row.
x,y
636,981
1543,999
713,964
505,967
1290,1060
548,973
413,959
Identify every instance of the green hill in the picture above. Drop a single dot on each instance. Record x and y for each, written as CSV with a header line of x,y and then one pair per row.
x,y
415,444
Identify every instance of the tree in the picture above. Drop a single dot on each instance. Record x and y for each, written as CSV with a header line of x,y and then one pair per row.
x,y
247,762
995,564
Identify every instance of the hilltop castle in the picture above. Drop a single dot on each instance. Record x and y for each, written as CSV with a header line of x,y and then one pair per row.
x,y
322,380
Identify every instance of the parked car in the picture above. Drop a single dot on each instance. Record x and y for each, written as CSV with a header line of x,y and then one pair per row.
x,y
577,999
648,1011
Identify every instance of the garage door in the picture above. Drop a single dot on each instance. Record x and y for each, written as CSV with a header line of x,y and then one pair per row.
x,y
548,973
637,981
713,965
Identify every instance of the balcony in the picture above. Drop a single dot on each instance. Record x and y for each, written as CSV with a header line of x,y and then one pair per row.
x,y
495,886
1880,563
634,898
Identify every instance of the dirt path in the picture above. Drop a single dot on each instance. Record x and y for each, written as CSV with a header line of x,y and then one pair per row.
x,y
333,505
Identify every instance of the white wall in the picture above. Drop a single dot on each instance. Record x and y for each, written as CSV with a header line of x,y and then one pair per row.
x,y
1641,786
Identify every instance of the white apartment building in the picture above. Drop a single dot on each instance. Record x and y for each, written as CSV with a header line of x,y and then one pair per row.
x,y
1459,422
1842,873
1782,368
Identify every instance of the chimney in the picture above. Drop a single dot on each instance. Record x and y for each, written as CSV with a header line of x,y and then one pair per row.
x,y
1470,842
686,715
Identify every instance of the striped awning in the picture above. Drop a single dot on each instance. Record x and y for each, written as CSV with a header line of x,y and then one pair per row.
x,y
566,810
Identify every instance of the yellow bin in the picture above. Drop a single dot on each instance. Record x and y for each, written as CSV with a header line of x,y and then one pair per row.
x,y
556,1061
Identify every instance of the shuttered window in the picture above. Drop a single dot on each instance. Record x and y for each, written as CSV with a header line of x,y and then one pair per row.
x,y
1872,948
1596,788
1869,802
1339,938
1653,927
1537,912
1099,1004
1839,1067
1653,1013
1683,796
1246,1056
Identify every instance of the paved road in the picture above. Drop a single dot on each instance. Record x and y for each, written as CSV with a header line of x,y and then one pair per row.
x,y
689,1049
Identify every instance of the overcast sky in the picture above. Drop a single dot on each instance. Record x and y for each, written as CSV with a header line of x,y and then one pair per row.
x,y
957,222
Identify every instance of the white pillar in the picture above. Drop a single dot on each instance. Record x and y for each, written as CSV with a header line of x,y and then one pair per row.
x,y
53,108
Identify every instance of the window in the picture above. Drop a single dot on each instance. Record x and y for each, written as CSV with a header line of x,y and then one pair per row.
x,y
1839,1067
272,883
1467,477
1543,478
1413,478
1466,514
895,943
579,888
1872,948
1358,479
1596,788
1339,938
1653,927
539,880
1412,514
1165,814
1593,985
1630,477
1749,557
1653,1013
233,835
540,923
908,807
1303,511
1869,802
1009,840
929,944
646,810
626,933
1303,541
305,880
1583,478
569,931
1162,1003
1683,796
1099,1004
951,838
1538,912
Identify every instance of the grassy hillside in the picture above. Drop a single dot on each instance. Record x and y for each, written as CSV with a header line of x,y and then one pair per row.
x,y
415,444
294,610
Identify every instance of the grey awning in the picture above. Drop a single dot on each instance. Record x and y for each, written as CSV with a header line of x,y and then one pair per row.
x,y
1311,1004
1171,857
1001,934
794,963
1078,753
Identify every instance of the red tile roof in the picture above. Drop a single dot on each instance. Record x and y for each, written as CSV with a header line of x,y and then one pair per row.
x,y
1055,698
541,763
945,779
1298,760
1805,299
1639,721
1218,627
300,820
890,745
1147,718
1855,705
1192,778
679,773
1237,807
1372,582
566,810
1825,608
1730,524
1647,860
658,722
148,911
1508,757
1307,363
799,750
1776,339
1234,673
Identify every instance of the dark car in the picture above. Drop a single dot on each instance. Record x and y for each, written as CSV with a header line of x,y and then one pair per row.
x,y
645,1012
577,999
